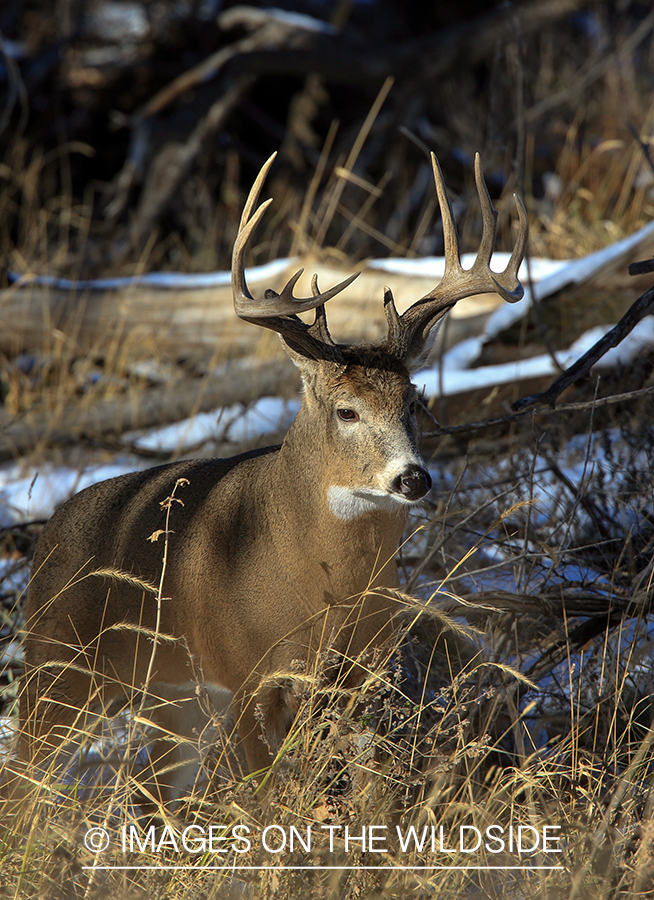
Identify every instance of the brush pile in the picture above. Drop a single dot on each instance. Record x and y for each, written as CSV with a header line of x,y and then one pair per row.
x,y
129,131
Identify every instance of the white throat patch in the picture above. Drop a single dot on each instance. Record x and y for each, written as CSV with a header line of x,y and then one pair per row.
x,y
350,503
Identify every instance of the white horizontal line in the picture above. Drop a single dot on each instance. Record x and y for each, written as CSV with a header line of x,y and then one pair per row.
x,y
191,868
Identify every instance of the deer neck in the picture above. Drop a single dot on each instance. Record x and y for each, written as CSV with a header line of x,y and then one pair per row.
x,y
334,555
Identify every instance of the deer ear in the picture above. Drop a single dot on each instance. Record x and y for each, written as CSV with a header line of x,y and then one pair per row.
x,y
420,346
304,348
305,363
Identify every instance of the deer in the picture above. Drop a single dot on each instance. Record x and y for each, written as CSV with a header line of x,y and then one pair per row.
x,y
273,555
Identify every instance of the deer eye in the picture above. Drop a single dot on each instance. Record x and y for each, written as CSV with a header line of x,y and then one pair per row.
x,y
412,407
347,415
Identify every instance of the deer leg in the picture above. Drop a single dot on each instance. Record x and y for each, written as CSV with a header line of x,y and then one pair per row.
x,y
265,717
190,721
58,705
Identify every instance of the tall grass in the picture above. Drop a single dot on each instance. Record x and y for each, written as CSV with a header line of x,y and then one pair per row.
x,y
500,709
401,777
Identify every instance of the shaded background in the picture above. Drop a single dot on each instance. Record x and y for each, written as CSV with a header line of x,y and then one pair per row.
x,y
130,130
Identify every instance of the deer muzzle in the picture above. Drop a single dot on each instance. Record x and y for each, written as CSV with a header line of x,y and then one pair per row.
x,y
412,484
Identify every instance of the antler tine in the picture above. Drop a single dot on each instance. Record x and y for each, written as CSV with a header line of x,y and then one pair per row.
x,y
507,284
295,304
273,305
457,282
319,326
393,320
255,190
488,219
248,223
450,237
519,248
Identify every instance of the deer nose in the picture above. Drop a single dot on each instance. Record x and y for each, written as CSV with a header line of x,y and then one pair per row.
x,y
412,484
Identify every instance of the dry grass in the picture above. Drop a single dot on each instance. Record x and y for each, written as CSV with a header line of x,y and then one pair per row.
x,y
601,193
396,767
445,731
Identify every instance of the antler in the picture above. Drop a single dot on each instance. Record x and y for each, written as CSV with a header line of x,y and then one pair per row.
x,y
279,311
408,333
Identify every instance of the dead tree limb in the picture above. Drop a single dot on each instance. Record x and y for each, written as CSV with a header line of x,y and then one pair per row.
x,y
637,311
240,382
597,403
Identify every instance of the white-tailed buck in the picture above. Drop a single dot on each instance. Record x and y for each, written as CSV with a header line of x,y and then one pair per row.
x,y
276,554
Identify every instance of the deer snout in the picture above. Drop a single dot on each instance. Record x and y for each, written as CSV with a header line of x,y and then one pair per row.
x,y
412,484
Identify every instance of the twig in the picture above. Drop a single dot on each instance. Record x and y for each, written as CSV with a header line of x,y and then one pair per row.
x,y
167,505
15,93
352,158
545,411
595,71
641,268
644,146
174,162
519,163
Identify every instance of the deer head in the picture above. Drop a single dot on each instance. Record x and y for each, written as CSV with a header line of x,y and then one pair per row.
x,y
363,394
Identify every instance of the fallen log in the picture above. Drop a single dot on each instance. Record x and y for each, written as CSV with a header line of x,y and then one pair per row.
x,y
143,321
146,321
238,382
152,319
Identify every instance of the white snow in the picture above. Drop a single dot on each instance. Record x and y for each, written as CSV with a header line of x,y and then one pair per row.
x,y
11,653
575,271
266,416
434,266
454,381
27,494
164,280
8,736
35,493
232,423
453,375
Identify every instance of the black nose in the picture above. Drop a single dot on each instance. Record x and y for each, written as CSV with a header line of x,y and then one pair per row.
x,y
412,484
